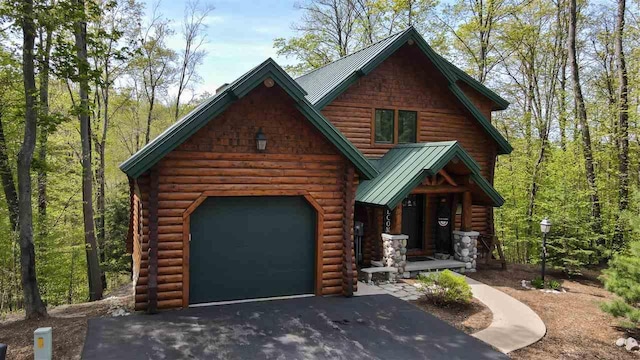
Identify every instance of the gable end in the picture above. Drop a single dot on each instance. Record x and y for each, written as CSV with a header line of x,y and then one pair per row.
x,y
175,135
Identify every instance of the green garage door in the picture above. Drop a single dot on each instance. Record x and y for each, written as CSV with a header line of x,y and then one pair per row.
x,y
251,247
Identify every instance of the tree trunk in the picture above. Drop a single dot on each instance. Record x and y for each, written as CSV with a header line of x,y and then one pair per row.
x,y
100,173
529,116
34,307
71,272
8,184
44,133
584,126
101,203
623,128
562,118
152,100
180,90
93,265
562,96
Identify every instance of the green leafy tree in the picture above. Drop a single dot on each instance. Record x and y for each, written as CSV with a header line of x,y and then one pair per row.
x,y
307,49
623,279
117,225
330,29
326,32
474,25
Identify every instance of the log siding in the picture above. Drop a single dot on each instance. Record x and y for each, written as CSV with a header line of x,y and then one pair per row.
x,y
407,80
222,157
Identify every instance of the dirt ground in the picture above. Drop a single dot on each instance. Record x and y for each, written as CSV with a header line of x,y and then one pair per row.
x,y
576,327
69,323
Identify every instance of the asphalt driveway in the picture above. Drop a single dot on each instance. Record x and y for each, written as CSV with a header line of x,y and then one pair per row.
x,y
366,327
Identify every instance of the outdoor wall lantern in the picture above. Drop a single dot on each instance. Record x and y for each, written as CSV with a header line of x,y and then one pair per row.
x,y
545,227
261,140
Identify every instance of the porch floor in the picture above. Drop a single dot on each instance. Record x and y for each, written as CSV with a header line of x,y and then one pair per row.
x,y
433,264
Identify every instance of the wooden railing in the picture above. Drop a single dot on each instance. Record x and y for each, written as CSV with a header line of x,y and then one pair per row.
x,y
489,243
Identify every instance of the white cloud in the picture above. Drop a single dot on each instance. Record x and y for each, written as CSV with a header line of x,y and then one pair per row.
x,y
213,20
239,50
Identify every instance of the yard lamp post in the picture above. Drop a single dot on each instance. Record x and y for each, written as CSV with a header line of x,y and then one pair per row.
x,y
545,227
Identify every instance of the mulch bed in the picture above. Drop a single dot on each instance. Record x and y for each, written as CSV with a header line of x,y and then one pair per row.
x,y
469,318
576,327
69,323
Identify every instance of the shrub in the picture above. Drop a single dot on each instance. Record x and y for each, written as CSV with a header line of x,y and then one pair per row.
x,y
446,287
537,283
553,284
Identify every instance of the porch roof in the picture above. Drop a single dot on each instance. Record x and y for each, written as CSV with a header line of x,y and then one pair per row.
x,y
405,166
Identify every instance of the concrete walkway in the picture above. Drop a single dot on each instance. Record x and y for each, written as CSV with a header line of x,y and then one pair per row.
x,y
514,324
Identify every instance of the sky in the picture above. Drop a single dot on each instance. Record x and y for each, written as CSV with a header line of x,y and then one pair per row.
x,y
240,35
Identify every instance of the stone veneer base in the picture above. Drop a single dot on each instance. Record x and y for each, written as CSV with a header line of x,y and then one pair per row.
x,y
394,252
465,247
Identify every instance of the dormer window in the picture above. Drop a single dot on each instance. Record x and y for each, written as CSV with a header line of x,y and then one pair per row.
x,y
395,126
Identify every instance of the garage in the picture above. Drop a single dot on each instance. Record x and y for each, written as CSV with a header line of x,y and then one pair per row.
x,y
249,247
250,195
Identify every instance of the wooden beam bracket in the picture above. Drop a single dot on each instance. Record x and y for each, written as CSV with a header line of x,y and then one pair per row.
x,y
448,178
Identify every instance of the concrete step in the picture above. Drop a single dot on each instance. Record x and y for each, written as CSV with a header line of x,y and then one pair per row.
x,y
433,265
372,270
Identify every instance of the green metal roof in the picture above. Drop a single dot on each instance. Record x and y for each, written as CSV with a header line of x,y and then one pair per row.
x,y
176,134
324,84
405,166
320,82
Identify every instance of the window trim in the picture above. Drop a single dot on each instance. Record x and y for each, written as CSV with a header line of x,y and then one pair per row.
x,y
396,111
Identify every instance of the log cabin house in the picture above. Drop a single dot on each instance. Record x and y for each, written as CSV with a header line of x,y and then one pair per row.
x,y
257,191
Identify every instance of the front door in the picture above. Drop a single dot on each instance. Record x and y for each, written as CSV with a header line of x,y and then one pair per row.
x,y
413,221
443,225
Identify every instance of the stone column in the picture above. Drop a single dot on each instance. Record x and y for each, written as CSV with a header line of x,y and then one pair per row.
x,y
465,247
394,252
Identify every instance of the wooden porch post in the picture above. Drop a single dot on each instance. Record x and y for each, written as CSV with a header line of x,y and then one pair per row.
x,y
396,223
467,213
378,220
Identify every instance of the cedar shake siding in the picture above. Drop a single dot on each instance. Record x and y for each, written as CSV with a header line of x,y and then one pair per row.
x,y
407,80
222,157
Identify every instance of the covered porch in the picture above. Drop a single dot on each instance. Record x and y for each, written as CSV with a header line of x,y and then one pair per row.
x,y
418,214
